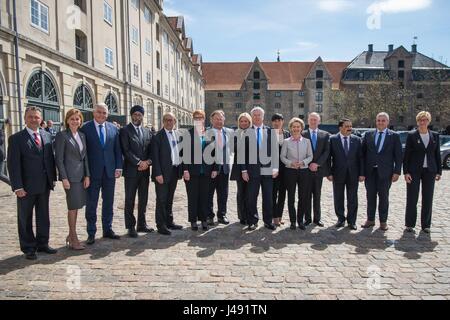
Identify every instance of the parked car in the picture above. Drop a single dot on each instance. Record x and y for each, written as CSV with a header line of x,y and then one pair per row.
x,y
360,132
445,155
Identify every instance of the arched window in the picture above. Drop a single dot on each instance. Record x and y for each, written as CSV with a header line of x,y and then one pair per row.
x,y
82,98
41,91
111,102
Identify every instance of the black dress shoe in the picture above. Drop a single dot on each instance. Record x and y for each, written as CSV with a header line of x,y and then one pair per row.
x,y
224,220
307,223
164,231
319,224
340,224
353,227
270,226
132,233
210,222
174,227
90,240
252,227
194,226
301,226
293,226
47,250
30,256
145,229
205,226
111,235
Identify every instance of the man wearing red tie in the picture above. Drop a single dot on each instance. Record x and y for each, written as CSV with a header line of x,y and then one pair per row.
x,y
31,167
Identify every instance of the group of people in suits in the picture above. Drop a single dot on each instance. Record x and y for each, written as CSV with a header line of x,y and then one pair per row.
x,y
90,157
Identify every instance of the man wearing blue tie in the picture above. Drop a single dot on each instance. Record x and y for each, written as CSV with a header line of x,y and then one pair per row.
x,y
105,164
382,151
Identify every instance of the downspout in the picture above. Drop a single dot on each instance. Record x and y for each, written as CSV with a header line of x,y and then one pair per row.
x,y
16,52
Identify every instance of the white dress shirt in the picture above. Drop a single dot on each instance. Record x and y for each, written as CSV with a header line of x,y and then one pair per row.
x,y
175,153
77,138
98,129
31,133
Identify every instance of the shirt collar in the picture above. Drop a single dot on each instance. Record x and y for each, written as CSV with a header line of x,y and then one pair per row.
x,y
31,132
98,124
343,137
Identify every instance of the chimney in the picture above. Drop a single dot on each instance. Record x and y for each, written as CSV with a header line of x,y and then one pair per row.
x,y
391,48
414,48
371,48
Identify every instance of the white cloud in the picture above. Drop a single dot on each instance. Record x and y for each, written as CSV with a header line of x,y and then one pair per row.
x,y
335,5
396,6
174,13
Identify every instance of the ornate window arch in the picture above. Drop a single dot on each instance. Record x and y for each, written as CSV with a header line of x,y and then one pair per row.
x,y
111,102
82,98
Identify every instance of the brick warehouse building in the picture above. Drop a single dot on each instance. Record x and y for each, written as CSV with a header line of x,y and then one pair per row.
x,y
298,88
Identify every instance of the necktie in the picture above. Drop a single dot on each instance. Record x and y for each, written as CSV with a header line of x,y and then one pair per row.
x,y
37,140
346,147
174,142
139,132
102,135
259,137
314,139
378,145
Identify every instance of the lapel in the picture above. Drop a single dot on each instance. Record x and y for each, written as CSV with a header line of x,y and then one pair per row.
x,y
340,146
73,142
387,139
30,141
418,138
132,130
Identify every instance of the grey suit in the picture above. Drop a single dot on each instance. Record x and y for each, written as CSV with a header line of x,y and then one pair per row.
x,y
72,165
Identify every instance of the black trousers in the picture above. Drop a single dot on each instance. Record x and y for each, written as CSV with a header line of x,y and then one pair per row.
x,y
314,194
164,200
40,203
219,184
339,188
279,195
196,188
242,199
428,181
133,186
297,178
266,184
377,187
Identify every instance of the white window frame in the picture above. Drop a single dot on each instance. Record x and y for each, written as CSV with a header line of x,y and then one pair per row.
x,y
148,47
109,53
135,65
39,25
107,13
135,4
148,78
147,15
134,35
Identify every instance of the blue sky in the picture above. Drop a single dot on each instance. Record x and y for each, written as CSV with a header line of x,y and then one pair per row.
x,y
336,30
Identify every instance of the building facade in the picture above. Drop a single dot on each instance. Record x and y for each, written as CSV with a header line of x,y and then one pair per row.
x,y
295,89
75,53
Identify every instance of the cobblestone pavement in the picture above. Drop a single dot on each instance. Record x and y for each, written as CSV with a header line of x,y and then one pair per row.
x,y
229,263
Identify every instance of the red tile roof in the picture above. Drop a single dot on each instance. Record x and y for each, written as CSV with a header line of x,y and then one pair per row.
x,y
281,75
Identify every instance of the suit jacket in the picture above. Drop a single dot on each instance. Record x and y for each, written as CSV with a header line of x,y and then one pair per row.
x,y
195,146
286,135
71,163
107,158
2,142
162,158
341,165
254,170
135,150
415,153
322,151
31,168
222,165
240,142
389,160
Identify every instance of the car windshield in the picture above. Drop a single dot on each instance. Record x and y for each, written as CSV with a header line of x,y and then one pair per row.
x,y
446,144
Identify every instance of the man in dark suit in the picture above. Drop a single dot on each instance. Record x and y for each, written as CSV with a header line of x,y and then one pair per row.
x,y
318,168
347,168
135,141
221,174
105,165
279,185
31,166
166,171
258,172
382,150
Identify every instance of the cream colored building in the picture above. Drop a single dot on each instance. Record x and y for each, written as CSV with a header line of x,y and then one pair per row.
x,y
75,53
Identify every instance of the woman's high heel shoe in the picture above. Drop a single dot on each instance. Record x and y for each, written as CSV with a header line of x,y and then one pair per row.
x,y
74,245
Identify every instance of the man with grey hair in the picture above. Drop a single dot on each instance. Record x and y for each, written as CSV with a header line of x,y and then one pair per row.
x,y
318,168
259,174
382,151
105,165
